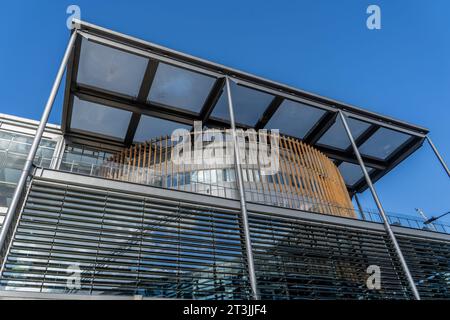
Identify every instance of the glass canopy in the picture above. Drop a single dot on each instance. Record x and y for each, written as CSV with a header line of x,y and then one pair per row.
x,y
383,143
97,118
150,127
248,104
352,173
180,88
110,69
294,118
128,90
336,136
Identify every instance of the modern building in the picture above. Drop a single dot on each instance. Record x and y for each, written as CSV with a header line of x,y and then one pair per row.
x,y
104,210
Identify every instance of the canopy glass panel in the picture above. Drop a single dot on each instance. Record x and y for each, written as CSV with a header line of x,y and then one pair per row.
x,y
336,137
294,118
99,119
383,143
180,88
110,69
248,104
352,173
150,127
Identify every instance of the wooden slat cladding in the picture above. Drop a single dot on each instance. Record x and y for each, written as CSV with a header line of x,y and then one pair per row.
x,y
307,179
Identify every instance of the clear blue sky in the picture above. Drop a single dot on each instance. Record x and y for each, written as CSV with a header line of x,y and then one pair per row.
x,y
323,46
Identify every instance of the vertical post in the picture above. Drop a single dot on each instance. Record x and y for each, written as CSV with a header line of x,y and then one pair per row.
x,y
35,145
248,243
436,152
380,209
361,212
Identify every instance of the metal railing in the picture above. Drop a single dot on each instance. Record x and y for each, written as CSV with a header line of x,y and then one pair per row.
x,y
404,220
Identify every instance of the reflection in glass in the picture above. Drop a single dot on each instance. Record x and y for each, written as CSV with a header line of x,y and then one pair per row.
x,y
336,136
294,118
110,69
150,127
383,143
97,118
14,148
249,104
352,173
83,159
180,88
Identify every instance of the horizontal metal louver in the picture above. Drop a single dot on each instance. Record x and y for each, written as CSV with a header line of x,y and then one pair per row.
x,y
429,262
126,244
299,260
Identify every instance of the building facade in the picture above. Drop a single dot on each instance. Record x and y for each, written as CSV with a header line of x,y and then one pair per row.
x,y
106,210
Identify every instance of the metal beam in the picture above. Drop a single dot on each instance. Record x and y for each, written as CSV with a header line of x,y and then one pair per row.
x,y
349,157
71,75
217,123
151,109
269,112
381,210
361,211
248,242
12,210
363,137
438,155
132,127
144,90
212,99
360,186
147,81
327,120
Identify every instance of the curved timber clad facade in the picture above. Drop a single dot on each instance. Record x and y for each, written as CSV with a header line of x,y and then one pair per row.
x,y
306,179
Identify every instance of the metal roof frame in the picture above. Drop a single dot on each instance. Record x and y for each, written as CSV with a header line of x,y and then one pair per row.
x,y
156,54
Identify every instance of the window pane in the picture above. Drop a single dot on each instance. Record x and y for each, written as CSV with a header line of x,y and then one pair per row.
x,y
383,143
6,192
295,119
83,159
180,88
97,118
249,105
14,148
352,173
110,69
337,137
150,127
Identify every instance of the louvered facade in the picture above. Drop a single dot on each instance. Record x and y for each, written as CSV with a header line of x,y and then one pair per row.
x,y
129,239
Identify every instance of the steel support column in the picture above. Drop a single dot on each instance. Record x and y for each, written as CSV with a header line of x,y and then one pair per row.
x,y
436,152
387,226
361,211
35,145
248,242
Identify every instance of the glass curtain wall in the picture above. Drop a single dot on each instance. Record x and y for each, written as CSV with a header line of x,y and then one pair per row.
x,y
14,148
